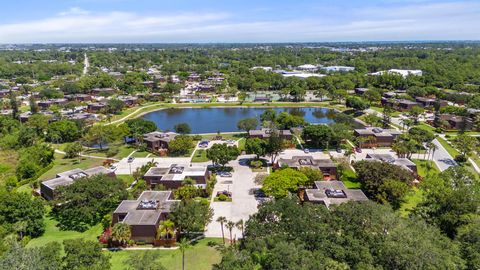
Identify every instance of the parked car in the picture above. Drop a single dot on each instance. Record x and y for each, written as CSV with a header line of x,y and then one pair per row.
x,y
225,174
130,159
113,168
358,149
339,150
306,150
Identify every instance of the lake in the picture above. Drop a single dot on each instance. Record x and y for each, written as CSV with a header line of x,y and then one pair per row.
x,y
212,120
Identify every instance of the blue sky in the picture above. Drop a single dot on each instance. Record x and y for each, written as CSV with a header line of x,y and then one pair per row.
x,y
26,21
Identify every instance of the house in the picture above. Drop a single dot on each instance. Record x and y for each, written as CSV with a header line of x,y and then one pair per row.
x,y
103,91
144,214
402,72
389,95
193,77
4,93
129,100
450,121
399,104
376,137
173,176
265,133
307,67
158,140
402,162
333,193
48,187
262,99
360,91
96,107
328,168
430,102
149,84
78,97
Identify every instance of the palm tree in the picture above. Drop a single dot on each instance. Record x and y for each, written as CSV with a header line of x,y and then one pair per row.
x,y
230,225
21,227
222,220
121,232
183,245
432,148
167,228
348,153
241,226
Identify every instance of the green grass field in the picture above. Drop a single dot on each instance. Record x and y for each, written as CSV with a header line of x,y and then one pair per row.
x,y
200,156
452,151
349,178
199,257
413,198
8,164
61,165
425,167
53,233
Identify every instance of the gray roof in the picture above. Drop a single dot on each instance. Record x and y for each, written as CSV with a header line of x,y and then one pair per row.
x,y
306,161
320,193
159,136
266,132
402,162
378,132
68,177
176,172
160,202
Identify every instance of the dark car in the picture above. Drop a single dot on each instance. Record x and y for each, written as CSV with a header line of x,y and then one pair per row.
x,y
130,159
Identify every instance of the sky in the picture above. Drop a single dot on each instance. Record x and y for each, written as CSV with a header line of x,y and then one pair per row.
x,y
206,21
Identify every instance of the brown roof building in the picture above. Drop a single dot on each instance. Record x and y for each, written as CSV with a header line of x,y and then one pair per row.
x,y
173,176
402,162
48,187
158,140
333,193
265,133
327,166
145,214
376,137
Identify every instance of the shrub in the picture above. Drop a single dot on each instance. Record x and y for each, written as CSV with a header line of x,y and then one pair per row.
x,y
256,164
460,158
112,151
222,197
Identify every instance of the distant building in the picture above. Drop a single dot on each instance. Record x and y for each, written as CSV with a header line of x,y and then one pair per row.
x,y
265,133
262,99
173,176
376,137
430,102
338,69
402,72
96,107
361,91
48,187
103,91
307,67
326,166
157,140
333,193
400,104
144,214
264,68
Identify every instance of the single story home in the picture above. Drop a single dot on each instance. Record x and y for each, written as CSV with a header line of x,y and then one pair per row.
x,y
265,133
333,193
402,162
173,176
376,137
157,140
145,214
326,166
48,187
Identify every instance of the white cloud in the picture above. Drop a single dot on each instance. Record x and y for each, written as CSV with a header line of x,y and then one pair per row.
x,y
416,20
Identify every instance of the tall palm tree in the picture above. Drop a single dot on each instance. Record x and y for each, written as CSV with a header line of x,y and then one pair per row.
x,y
432,148
222,220
183,245
241,226
230,225
121,232
167,228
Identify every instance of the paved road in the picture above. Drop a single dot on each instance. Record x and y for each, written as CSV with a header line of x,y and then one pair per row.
x,y
442,158
243,202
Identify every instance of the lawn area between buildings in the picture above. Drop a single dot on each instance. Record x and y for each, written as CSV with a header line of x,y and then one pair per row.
x,y
200,156
349,178
199,257
452,151
425,167
8,164
61,164
53,233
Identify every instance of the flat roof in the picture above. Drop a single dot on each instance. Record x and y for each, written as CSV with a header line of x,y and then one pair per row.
x,y
306,161
319,194
68,177
176,172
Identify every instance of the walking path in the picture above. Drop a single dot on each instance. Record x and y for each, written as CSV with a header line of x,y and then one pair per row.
x,y
130,114
88,156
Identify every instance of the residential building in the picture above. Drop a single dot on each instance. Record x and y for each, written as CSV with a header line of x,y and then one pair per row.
x,y
157,140
376,137
399,104
103,91
454,122
48,187
173,176
402,72
265,133
96,107
402,162
144,214
361,91
333,193
326,166
430,102
307,67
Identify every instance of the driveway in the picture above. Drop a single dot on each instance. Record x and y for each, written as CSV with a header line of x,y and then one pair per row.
x,y
442,158
243,202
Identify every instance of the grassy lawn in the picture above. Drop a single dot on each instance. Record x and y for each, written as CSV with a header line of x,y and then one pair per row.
x,y
200,156
61,164
53,233
452,151
225,136
426,127
411,200
199,257
126,178
380,110
241,144
425,167
8,163
349,178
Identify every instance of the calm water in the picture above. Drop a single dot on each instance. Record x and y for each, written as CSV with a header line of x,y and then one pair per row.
x,y
212,120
